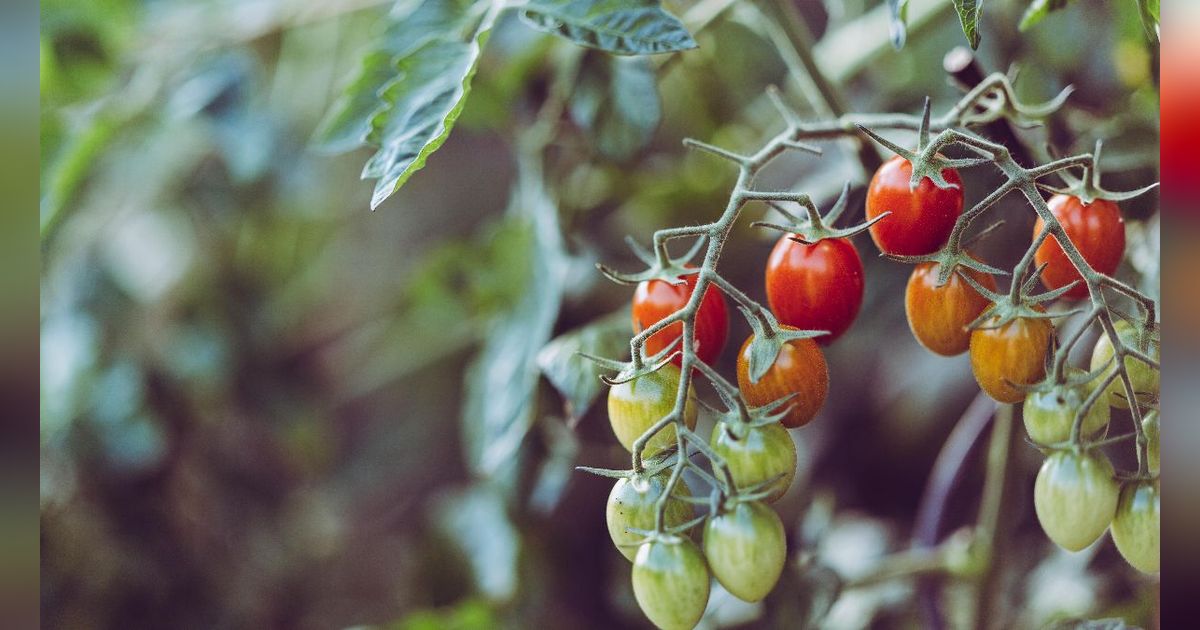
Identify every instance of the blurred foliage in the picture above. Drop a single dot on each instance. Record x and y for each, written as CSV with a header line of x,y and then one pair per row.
x,y
264,405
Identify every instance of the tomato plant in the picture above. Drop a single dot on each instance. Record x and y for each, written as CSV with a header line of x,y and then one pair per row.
x,y
1143,376
1135,528
1150,428
1011,354
938,316
798,369
815,287
670,582
757,454
746,549
1075,497
656,299
1098,233
631,504
635,405
921,219
1050,413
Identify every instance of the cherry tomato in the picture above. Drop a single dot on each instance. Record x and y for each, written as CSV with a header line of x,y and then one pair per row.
x,y
938,316
1049,415
1141,374
656,299
921,220
815,287
762,453
1096,230
800,368
746,549
634,406
631,504
1150,428
670,582
1075,497
1015,352
1135,527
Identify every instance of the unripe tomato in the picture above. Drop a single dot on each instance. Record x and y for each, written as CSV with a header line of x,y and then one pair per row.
x,y
1096,230
1015,352
670,582
1142,375
1075,498
938,316
1150,428
1135,527
634,406
746,549
763,453
815,287
800,368
656,299
921,220
631,504
1049,415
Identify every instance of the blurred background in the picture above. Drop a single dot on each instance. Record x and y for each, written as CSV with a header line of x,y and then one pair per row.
x,y
265,406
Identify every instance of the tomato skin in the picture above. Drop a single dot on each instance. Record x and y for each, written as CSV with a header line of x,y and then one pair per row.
x,y
670,583
799,367
815,287
1135,528
1015,352
921,220
746,549
1049,415
1096,230
631,503
763,453
1150,428
655,299
634,406
1142,375
938,316
1075,498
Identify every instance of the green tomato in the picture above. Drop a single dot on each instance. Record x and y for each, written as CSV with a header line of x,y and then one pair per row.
x,y
670,582
1135,527
1050,414
1150,428
760,454
1075,497
631,504
634,406
746,549
1142,375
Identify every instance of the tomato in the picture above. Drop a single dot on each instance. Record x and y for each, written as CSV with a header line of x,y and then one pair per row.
x,y
799,368
763,453
1143,376
1049,415
746,549
1015,352
921,220
938,316
1098,233
815,287
655,299
631,504
670,582
1135,527
1075,497
634,406
1150,428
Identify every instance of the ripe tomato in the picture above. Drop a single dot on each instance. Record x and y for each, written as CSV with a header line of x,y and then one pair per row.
x,y
1150,428
1049,415
656,299
1135,527
763,453
1142,375
1075,498
1096,230
746,549
670,582
938,316
921,220
631,504
634,406
1015,352
799,368
815,287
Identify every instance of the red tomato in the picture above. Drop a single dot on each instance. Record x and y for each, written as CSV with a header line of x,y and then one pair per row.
x,y
815,287
1096,230
938,316
921,220
798,369
656,299
1013,353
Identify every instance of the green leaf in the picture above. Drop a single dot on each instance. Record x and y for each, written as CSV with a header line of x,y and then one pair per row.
x,y
576,378
969,12
1149,12
411,88
623,27
616,101
898,14
1038,10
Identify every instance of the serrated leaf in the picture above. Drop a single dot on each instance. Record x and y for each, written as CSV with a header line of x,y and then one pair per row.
x,y
969,12
622,27
576,378
616,101
898,14
411,88
1038,10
